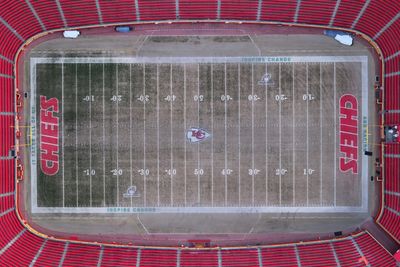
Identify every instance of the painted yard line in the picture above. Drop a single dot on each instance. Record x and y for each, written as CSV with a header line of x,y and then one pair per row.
x,y
130,129
239,178
76,134
266,138
307,133
280,138
62,133
212,131
320,134
252,134
225,137
293,139
335,130
104,141
171,135
116,70
90,135
144,135
184,125
158,134
198,125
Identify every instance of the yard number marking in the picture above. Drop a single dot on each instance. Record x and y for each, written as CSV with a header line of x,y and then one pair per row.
x,y
88,98
144,172
226,171
89,172
280,172
143,98
280,97
116,172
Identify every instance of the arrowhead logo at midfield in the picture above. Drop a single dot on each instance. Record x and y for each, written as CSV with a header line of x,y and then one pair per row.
x,y
195,135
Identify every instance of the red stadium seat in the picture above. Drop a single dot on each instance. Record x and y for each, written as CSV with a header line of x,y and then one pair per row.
x,y
19,247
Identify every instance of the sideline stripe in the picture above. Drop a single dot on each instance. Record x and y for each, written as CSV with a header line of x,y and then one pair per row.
x,y
62,133
12,241
35,14
61,13
386,26
360,14
334,12
12,29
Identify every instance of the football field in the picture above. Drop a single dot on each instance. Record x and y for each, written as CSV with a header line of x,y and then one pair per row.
x,y
199,134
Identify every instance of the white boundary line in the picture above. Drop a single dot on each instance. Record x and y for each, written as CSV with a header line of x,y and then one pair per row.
x,y
34,141
130,129
117,81
225,140
307,133
239,152
266,138
335,131
104,141
171,141
76,135
144,135
198,125
183,60
184,124
90,135
252,134
244,209
320,134
212,139
293,138
280,138
62,134
158,133
336,208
